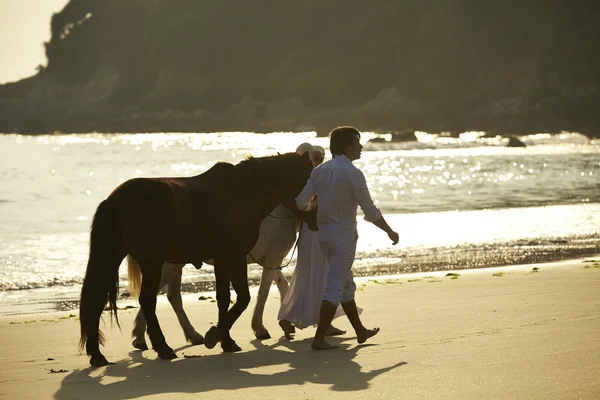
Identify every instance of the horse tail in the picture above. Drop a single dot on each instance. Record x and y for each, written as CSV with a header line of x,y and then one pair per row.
x,y
134,276
101,282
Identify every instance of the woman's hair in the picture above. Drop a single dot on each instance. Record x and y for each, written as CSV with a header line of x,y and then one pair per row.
x,y
319,155
341,137
306,147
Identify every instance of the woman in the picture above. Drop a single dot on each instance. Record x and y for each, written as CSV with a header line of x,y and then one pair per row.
x,y
300,307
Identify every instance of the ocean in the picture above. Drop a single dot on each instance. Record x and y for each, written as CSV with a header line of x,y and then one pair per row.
x,y
464,202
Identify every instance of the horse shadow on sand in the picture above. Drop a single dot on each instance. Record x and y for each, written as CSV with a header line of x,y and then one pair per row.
x,y
137,376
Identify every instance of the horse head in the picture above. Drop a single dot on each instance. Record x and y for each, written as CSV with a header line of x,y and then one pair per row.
x,y
296,170
272,180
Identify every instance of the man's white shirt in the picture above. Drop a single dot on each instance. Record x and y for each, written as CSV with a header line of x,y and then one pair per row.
x,y
341,188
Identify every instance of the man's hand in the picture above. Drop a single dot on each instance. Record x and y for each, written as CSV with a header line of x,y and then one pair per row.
x,y
311,220
383,225
393,237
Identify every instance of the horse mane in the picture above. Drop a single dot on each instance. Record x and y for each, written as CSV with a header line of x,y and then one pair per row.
x,y
286,161
251,160
258,171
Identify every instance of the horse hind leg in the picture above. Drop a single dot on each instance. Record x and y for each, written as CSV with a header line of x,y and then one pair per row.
x,y
284,286
101,281
93,301
169,272
139,325
260,332
174,297
151,272
135,283
139,332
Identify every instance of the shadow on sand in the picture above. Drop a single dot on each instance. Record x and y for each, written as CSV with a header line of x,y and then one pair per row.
x,y
136,376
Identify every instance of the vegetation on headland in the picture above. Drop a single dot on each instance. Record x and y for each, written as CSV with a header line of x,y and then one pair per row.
x,y
268,65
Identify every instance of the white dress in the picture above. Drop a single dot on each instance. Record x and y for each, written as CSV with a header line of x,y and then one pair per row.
x,y
302,303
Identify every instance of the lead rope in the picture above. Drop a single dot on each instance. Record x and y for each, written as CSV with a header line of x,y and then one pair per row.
x,y
293,250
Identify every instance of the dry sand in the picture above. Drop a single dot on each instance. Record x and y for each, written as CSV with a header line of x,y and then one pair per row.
x,y
521,335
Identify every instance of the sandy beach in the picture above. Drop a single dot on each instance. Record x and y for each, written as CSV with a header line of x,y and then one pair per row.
x,y
496,333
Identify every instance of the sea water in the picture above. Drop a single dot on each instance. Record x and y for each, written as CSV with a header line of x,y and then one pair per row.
x,y
456,202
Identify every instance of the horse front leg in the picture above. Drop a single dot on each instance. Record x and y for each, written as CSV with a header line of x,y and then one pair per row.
x,y
151,277
234,268
238,275
215,334
174,297
268,274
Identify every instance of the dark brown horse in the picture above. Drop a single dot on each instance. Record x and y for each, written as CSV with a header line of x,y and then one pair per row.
x,y
215,215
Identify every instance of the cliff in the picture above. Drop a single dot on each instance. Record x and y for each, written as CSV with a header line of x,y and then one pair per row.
x,y
204,65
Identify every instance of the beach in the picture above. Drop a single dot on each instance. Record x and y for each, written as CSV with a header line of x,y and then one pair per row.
x,y
473,206
507,332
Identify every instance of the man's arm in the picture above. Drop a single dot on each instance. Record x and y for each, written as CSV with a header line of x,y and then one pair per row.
x,y
304,198
382,224
372,213
310,216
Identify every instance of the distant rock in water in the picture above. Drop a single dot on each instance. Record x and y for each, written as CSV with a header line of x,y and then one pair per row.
x,y
397,137
515,142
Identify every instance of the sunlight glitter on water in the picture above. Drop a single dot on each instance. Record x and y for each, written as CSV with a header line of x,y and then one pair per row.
x,y
452,228
438,196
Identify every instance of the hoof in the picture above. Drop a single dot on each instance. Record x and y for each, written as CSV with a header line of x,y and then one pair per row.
x,y
262,336
140,345
212,337
99,361
230,347
167,354
288,329
261,333
196,339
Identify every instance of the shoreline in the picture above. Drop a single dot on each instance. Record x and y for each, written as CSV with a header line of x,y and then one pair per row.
x,y
52,302
520,334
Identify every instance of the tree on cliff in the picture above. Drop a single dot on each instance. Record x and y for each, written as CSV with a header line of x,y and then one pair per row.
x,y
449,59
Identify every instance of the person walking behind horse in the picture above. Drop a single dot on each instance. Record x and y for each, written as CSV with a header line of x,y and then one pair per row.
x,y
300,306
341,188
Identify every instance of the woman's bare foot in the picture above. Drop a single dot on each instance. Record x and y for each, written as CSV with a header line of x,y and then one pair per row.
x,y
367,333
288,329
320,344
333,331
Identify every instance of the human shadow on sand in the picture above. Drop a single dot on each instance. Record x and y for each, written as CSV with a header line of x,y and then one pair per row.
x,y
136,376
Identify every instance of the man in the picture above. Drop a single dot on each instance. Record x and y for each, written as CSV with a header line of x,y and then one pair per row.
x,y
341,188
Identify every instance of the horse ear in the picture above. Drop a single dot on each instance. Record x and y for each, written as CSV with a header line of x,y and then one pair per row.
x,y
278,153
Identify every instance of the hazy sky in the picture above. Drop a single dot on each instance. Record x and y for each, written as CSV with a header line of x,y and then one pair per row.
x,y
24,27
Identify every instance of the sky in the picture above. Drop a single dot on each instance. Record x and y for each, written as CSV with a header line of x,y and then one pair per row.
x,y
24,27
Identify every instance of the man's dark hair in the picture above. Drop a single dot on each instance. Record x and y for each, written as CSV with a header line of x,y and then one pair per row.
x,y
341,137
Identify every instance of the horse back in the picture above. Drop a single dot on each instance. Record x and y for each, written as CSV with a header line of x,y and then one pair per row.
x,y
187,219
166,217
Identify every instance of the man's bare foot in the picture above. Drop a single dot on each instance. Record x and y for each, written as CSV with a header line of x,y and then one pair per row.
x,y
288,329
367,333
333,331
322,345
